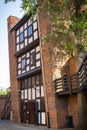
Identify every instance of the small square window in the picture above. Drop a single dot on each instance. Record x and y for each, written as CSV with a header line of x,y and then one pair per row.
x,y
35,25
25,41
35,35
25,33
18,47
23,62
17,32
30,30
25,25
21,37
30,40
17,39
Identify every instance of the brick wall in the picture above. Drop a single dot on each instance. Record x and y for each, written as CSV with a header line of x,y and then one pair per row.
x,y
62,108
2,104
13,69
73,109
72,65
50,99
82,111
68,105
69,67
56,61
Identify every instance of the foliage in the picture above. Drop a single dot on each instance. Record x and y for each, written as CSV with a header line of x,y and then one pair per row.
x,y
28,6
68,22
4,92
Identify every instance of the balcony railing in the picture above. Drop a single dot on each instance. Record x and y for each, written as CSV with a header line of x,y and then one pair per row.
x,y
67,84
73,83
83,74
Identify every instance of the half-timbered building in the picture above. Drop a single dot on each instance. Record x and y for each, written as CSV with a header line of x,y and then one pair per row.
x,y
29,71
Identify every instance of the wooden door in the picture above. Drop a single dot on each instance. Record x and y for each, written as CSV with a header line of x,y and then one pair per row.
x,y
32,117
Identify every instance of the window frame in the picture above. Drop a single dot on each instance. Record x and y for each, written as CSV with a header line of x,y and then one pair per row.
x,y
23,61
29,34
22,33
33,54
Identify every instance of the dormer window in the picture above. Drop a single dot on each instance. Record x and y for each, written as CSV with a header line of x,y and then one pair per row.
x,y
21,37
30,30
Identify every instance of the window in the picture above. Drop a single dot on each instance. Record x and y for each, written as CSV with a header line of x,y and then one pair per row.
x,y
35,25
32,58
22,84
21,37
30,30
23,62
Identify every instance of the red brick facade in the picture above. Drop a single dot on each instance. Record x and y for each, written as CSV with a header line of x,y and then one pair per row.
x,y
71,101
50,99
13,70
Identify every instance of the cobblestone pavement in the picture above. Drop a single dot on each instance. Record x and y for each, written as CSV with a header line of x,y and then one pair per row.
x,y
8,125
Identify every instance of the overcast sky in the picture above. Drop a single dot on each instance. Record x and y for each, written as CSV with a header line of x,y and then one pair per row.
x,y
12,8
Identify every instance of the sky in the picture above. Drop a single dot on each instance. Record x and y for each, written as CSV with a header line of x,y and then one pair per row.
x,y
13,9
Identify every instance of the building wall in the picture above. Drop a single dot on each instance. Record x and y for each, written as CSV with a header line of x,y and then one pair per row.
x,y
2,104
62,108
13,70
72,101
82,111
73,109
69,67
56,61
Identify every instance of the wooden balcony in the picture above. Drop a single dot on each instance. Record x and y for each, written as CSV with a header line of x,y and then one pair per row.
x,y
67,85
74,83
83,74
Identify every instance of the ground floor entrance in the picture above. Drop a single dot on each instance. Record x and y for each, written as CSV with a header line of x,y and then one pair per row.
x,y
28,112
32,104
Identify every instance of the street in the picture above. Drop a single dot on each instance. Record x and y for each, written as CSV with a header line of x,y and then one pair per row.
x,y
8,125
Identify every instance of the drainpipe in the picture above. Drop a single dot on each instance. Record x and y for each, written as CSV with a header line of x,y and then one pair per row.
x,y
45,92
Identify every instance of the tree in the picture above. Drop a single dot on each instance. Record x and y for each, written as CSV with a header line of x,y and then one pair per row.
x,y
4,92
68,22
